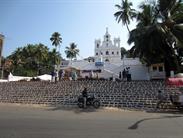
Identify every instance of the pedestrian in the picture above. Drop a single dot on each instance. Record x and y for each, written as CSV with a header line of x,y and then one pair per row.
x,y
85,95
52,76
60,75
120,75
124,74
160,98
56,76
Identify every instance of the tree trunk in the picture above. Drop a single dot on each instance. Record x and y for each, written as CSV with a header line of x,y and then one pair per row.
x,y
127,28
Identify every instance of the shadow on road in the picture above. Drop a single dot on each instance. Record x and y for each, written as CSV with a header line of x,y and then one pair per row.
x,y
136,125
75,109
168,111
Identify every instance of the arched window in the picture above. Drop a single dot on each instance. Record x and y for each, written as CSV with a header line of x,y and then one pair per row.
x,y
107,38
112,53
107,60
96,54
101,53
117,53
97,45
107,53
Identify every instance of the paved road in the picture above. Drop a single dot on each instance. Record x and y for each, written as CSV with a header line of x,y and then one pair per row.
x,y
43,122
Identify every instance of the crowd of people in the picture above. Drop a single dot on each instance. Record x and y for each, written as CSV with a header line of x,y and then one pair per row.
x,y
59,75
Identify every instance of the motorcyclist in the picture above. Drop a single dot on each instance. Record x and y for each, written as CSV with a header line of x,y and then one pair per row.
x,y
85,95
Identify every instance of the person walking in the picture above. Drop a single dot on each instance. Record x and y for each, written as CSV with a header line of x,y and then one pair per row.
x,y
56,76
85,95
160,98
124,74
120,75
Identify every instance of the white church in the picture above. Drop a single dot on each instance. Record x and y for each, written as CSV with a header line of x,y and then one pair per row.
x,y
107,63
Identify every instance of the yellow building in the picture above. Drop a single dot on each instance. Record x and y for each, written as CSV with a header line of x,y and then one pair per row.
x,y
1,46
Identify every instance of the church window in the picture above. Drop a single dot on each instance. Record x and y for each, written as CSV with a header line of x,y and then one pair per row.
x,y
101,53
112,53
96,54
97,45
107,52
117,53
107,60
107,38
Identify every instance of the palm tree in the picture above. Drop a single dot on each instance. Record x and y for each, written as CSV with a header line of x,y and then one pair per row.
x,y
72,51
159,33
125,13
54,57
56,41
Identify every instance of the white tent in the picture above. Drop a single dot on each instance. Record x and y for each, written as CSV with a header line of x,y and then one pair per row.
x,y
18,78
45,77
3,80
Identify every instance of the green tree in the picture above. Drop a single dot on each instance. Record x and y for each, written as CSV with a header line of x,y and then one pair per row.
x,y
123,52
32,60
159,33
125,13
54,57
56,40
72,51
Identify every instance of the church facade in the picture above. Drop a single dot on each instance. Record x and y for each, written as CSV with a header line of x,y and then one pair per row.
x,y
107,62
107,50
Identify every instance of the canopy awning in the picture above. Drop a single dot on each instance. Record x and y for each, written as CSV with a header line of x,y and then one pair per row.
x,y
175,81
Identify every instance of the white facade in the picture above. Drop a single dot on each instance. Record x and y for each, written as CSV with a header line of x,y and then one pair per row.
x,y
107,50
108,62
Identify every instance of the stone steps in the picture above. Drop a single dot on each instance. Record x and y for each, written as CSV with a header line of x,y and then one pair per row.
x,y
135,94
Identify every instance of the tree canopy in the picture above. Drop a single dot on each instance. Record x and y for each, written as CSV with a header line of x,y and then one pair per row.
x,y
158,36
31,60
125,13
56,39
72,51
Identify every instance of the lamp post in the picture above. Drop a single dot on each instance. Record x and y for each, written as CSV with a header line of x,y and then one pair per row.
x,y
1,49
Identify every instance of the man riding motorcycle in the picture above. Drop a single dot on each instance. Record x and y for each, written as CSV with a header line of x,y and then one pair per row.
x,y
85,100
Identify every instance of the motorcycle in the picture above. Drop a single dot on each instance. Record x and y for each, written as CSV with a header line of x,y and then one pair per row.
x,y
90,101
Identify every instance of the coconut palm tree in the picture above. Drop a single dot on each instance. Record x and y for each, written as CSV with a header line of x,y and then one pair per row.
x,y
159,33
125,13
56,40
72,51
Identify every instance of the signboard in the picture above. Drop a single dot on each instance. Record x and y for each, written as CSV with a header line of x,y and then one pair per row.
x,y
99,64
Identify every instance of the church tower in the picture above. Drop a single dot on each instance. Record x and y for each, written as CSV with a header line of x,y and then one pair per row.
x,y
107,51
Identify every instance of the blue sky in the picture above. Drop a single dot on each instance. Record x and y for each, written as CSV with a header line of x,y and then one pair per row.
x,y
81,21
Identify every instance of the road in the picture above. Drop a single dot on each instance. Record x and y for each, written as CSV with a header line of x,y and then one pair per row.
x,y
19,121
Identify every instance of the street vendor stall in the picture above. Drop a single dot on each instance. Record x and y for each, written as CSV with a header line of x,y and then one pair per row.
x,y
176,98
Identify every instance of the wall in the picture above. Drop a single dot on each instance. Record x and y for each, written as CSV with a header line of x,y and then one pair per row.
x,y
135,94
